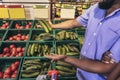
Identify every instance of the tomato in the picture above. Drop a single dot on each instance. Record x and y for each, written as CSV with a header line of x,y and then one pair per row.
x,y
18,38
11,38
6,49
27,26
6,76
20,54
1,55
21,27
23,37
30,23
7,23
14,37
1,74
13,67
6,55
23,49
19,35
8,71
15,72
14,75
17,63
19,49
12,46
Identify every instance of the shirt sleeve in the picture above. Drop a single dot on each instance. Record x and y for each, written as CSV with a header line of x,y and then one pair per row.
x,y
115,50
83,19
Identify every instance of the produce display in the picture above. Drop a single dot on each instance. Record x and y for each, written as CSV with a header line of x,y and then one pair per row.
x,y
12,50
70,49
65,69
10,71
31,44
36,49
33,67
43,24
22,24
66,35
4,24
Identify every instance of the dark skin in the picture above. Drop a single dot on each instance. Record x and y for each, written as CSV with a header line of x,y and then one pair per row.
x,y
114,75
85,64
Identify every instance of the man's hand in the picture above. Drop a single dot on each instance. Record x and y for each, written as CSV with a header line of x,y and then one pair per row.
x,y
55,57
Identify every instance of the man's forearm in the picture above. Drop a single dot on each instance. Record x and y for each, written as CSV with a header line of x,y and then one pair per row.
x,y
67,24
115,73
90,65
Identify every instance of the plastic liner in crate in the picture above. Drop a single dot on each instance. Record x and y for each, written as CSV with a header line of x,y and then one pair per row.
x,y
12,49
41,35
22,24
2,34
66,35
17,35
32,67
66,71
9,69
39,49
81,36
5,24
69,48
42,24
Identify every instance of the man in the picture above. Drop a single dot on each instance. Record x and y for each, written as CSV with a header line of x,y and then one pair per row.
x,y
114,75
101,49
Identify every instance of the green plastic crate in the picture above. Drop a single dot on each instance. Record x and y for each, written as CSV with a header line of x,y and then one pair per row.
x,y
34,48
36,35
21,24
42,63
5,24
8,55
5,63
12,33
60,48
70,37
2,34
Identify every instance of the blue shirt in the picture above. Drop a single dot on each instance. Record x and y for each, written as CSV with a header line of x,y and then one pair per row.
x,y
102,34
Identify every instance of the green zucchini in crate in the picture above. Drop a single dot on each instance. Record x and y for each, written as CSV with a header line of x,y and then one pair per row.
x,y
39,49
5,24
9,69
17,35
65,35
41,35
12,49
43,24
22,24
65,69
70,48
32,67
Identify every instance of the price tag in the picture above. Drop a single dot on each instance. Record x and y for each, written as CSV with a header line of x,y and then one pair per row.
x,y
41,11
68,13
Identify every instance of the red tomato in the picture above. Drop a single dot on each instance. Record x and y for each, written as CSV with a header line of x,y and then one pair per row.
x,y
18,39
20,54
11,38
12,46
14,75
1,55
6,49
13,67
1,74
14,37
27,26
15,72
23,37
6,55
19,35
6,76
23,49
21,27
30,23
7,23
19,49
17,63
8,71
